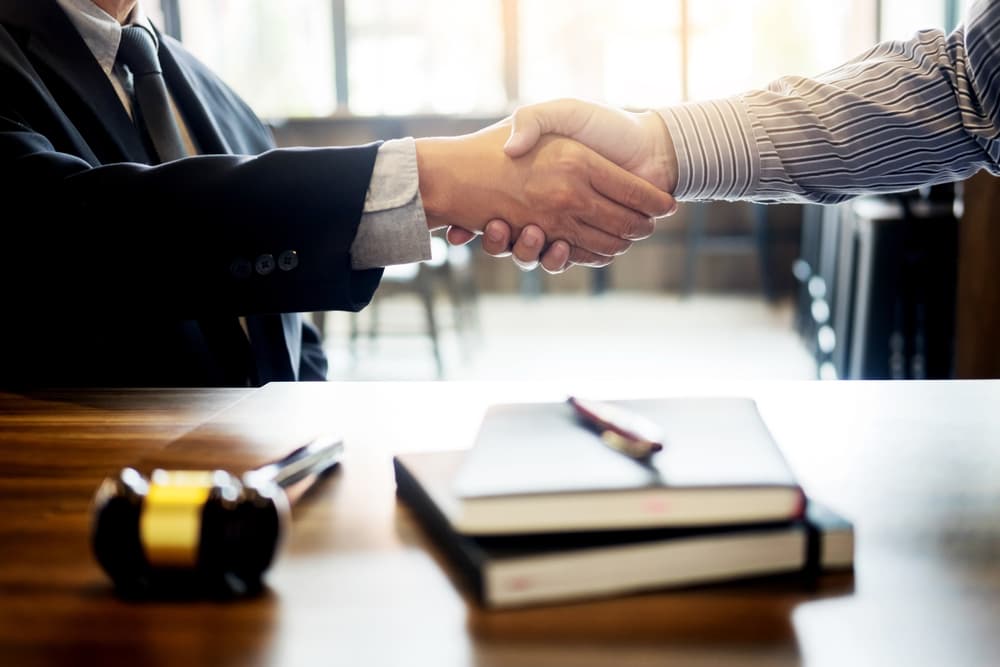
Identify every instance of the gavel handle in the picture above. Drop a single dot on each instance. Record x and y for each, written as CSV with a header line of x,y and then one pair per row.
x,y
313,459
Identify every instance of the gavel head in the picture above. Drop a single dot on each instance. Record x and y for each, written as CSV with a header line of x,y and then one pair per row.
x,y
187,533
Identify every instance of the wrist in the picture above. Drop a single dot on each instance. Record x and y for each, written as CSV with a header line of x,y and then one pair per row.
x,y
433,176
664,153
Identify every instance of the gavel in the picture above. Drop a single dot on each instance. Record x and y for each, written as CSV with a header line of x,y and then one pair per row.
x,y
200,532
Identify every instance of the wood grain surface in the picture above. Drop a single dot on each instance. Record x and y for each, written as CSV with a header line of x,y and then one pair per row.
x,y
915,465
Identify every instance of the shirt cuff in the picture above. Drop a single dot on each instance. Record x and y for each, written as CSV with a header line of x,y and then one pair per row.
x,y
717,156
393,227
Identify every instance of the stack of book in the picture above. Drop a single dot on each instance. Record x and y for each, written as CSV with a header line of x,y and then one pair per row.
x,y
542,510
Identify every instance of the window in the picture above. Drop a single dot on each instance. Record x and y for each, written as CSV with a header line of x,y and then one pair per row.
x,y
277,55
735,46
625,53
484,56
414,56
899,19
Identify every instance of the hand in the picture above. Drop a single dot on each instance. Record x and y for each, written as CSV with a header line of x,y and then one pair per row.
x,y
570,192
528,252
638,142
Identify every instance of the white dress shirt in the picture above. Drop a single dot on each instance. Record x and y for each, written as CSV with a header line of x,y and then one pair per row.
x,y
393,227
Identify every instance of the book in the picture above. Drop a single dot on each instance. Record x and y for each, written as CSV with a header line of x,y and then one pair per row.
x,y
535,468
521,570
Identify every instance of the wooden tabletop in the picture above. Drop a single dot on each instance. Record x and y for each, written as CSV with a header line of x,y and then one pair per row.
x,y
916,466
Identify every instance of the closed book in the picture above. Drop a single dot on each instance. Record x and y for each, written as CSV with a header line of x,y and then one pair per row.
x,y
535,468
521,570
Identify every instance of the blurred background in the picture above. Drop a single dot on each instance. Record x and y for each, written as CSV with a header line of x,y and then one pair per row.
x,y
865,289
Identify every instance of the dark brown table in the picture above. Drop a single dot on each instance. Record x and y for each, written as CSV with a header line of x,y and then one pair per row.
x,y
915,465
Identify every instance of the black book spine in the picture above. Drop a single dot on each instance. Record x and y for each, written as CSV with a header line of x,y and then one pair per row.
x,y
462,551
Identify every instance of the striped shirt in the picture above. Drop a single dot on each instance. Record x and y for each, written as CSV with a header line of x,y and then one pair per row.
x,y
902,115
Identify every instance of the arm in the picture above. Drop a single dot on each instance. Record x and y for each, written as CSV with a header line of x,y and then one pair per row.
x,y
126,236
902,115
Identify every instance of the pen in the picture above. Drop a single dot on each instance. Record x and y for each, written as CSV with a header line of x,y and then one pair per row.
x,y
624,431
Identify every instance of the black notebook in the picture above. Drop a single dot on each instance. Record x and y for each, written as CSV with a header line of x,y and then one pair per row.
x,y
535,468
510,571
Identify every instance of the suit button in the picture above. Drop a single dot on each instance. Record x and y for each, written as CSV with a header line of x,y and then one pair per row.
x,y
288,260
264,264
240,268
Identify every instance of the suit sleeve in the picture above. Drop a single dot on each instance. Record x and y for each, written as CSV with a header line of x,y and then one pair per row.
x,y
190,237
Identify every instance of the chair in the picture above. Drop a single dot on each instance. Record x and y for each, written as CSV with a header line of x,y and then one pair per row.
x,y
450,270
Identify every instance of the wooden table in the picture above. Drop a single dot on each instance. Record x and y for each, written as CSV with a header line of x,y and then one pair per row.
x,y
915,465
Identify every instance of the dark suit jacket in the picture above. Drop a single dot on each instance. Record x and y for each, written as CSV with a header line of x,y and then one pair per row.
x,y
117,273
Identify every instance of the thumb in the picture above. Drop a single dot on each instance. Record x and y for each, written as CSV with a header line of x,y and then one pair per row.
x,y
525,130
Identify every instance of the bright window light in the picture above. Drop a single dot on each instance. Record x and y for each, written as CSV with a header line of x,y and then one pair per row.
x,y
278,56
425,56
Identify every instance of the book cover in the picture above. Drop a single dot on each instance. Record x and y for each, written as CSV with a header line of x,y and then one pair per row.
x,y
535,468
520,570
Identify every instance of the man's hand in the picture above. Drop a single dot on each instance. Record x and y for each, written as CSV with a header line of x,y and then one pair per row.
x,y
528,252
638,142
568,191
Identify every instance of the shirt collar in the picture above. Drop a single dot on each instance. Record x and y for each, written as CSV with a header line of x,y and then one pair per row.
x,y
100,31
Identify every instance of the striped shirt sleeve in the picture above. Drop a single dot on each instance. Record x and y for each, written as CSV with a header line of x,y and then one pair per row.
x,y
903,115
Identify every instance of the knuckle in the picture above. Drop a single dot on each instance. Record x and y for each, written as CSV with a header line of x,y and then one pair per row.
x,y
589,209
570,233
570,158
564,197
632,194
618,225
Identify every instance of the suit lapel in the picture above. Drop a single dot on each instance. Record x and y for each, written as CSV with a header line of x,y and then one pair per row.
x,y
200,123
56,43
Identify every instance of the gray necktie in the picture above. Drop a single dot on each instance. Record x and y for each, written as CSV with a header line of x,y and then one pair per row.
x,y
137,52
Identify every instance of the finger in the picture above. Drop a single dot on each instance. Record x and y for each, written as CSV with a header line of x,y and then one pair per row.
x,y
587,258
618,220
458,235
524,134
528,247
565,117
556,258
628,190
581,234
497,237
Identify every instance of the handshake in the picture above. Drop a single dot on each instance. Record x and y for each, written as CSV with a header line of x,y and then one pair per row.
x,y
560,183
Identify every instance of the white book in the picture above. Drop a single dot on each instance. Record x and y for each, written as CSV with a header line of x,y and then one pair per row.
x,y
535,467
